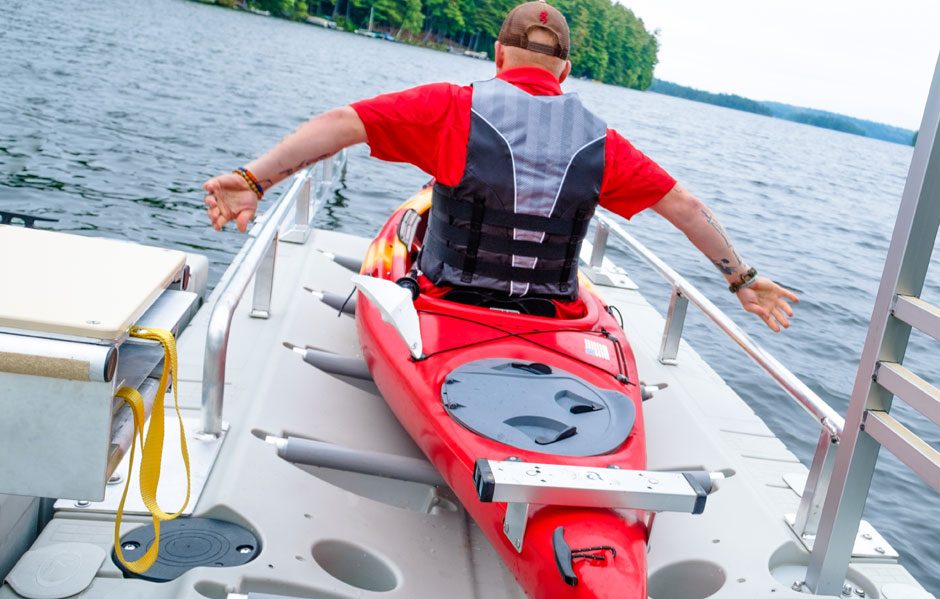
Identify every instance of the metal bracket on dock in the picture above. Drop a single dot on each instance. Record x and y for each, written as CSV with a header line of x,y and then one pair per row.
x,y
520,483
582,486
29,221
600,269
517,515
869,544
203,453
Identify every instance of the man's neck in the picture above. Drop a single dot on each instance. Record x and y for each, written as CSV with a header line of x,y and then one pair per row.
x,y
535,80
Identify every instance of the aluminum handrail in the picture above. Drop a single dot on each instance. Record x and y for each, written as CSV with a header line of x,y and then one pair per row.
x,y
798,390
242,271
258,253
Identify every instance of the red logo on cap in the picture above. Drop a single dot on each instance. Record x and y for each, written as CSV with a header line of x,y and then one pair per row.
x,y
543,16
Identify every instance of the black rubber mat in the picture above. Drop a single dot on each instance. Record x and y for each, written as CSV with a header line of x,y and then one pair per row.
x,y
187,543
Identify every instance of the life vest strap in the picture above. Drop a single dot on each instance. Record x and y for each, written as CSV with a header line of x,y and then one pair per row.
x,y
534,249
493,217
501,272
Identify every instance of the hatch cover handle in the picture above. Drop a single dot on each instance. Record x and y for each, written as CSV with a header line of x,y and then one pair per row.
x,y
560,436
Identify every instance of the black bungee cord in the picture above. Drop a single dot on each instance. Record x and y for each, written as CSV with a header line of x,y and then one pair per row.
x,y
621,360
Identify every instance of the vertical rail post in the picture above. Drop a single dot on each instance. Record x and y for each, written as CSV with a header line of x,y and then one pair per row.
x,y
300,229
672,332
326,177
599,246
806,522
264,282
302,206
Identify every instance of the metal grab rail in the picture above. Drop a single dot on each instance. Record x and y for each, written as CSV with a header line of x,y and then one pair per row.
x,y
806,521
257,256
683,293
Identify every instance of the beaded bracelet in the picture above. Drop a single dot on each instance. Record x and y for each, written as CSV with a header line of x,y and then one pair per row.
x,y
744,281
251,180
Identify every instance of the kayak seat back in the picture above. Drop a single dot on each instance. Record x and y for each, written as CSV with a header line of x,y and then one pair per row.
x,y
494,300
537,407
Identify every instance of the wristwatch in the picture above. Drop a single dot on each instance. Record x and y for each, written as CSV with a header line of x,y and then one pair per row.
x,y
745,280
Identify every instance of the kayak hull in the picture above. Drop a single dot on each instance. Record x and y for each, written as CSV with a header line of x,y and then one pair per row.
x,y
455,334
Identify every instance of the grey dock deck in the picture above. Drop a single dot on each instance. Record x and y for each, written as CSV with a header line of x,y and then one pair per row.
x,y
328,534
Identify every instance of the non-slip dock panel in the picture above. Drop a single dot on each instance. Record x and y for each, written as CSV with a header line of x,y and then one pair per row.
x,y
80,286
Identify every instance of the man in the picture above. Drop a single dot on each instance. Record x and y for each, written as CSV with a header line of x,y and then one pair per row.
x,y
519,168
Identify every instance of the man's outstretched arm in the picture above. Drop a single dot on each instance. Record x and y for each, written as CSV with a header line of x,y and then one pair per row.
x,y
229,197
762,296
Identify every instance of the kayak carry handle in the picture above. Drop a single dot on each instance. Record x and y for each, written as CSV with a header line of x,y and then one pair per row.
x,y
565,555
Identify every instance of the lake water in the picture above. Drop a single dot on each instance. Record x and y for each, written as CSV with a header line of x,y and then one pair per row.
x,y
113,113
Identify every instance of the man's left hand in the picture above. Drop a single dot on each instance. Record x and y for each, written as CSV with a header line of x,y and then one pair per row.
x,y
768,300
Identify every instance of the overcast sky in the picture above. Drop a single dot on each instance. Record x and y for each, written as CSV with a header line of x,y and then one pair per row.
x,y
871,59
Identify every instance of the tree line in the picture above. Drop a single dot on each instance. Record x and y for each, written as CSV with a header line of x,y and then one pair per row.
x,y
727,100
807,116
608,42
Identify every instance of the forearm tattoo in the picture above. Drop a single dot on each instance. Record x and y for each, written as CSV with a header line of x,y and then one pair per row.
x,y
730,262
297,167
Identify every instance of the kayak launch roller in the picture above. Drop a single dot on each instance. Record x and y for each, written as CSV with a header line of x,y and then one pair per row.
x,y
351,370
341,303
347,262
329,455
519,483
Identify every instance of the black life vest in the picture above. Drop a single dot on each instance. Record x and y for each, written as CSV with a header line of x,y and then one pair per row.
x,y
515,221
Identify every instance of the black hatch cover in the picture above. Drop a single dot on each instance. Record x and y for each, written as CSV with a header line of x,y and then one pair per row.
x,y
537,407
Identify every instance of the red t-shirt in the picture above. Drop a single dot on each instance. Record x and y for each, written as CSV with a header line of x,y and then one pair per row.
x,y
429,126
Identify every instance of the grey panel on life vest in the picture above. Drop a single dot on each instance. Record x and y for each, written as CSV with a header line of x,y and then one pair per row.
x,y
536,407
545,134
527,155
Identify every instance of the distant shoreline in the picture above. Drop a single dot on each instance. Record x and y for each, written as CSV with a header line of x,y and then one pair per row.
x,y
807,116
788,112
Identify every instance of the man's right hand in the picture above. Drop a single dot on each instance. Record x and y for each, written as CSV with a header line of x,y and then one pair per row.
x,y
768,300
228,198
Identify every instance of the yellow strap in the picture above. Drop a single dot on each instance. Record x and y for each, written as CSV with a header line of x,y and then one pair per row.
x,y
151,449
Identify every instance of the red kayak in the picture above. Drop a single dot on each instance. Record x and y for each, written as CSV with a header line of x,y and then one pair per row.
x,y
492,384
